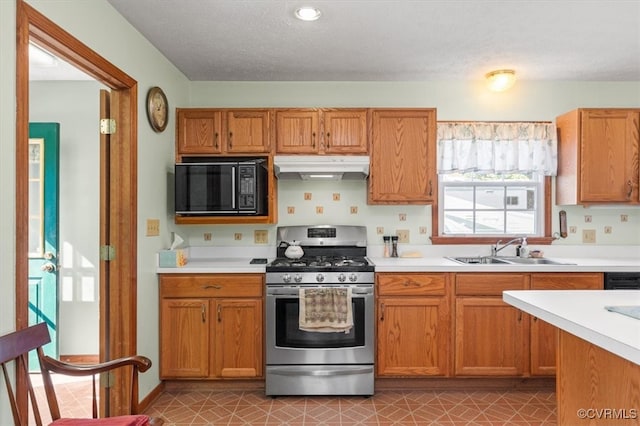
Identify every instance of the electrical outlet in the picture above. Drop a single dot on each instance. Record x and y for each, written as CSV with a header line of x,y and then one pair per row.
x,y
153,227
380,230
354,209
261,236
403,235
237,236
207,236
336,196
588,236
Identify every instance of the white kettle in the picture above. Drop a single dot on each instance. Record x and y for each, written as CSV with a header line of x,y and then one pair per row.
x,y
294,251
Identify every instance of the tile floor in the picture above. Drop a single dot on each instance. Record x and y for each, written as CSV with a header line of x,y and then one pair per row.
x,y
514,407
385,408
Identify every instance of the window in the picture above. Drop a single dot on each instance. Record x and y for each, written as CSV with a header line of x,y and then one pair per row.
x,y
494,181
489,204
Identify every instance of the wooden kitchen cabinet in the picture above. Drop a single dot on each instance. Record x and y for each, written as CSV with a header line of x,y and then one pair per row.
x,y
184,330
543,335
414,324
214,131
598,156
198,132
490,335
247,131
321,131
211,326
403,157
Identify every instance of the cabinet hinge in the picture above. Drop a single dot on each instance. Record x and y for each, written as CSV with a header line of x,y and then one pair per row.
x,y
107,253
107,379
107,126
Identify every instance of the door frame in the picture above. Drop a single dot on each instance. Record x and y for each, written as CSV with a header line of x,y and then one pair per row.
x,y
118,335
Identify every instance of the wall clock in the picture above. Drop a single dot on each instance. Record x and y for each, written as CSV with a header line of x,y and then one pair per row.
x,y
157,109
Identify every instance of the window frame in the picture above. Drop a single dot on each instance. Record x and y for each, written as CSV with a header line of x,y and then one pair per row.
x,y
545,239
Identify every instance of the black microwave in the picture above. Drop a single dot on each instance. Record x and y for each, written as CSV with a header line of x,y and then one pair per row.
x,y
221,187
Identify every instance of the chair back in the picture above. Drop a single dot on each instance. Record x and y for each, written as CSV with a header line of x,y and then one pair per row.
x,y
14,349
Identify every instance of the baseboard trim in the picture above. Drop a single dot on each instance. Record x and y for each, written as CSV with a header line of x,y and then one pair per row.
x,y
151,397
455,383
382,384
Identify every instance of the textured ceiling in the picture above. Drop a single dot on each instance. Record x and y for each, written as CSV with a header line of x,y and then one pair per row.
x,y
393,40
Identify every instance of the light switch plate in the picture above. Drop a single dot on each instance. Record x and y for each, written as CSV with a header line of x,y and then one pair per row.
x,y
153,227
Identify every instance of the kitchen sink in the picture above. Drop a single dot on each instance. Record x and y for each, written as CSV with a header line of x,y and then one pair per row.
x,y
494,260
535,261
484,260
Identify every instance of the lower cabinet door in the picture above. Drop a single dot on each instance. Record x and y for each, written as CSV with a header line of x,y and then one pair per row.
x,y
238,342
490,338
184,338
413,336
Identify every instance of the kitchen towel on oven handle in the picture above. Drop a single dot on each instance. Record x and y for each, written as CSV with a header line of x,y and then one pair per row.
x,y
326,310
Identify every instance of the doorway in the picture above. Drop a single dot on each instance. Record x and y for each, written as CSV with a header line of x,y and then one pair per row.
x,y
118,195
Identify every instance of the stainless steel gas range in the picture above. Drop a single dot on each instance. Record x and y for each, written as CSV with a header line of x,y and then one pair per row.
x,y
303,362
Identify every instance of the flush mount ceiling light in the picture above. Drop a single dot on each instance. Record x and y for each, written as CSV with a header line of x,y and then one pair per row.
x,y
501,80
308,13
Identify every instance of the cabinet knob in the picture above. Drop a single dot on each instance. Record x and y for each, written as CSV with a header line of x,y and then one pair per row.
x,y
630,189
204,313
215,140
219,313
230,139
382,312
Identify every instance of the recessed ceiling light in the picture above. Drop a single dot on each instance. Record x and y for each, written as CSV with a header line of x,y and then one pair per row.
x,y
308,13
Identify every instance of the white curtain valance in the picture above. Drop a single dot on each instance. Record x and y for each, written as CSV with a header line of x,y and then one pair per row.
x,y
497,147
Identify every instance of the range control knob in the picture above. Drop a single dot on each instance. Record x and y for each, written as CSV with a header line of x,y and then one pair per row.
x,y
320,278
342,278
286,278
297,278
353,278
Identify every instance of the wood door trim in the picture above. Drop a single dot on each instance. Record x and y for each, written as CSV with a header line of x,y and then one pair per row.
x,y
31,24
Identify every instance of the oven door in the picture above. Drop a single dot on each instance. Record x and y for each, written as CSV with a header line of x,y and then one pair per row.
x,y
287,344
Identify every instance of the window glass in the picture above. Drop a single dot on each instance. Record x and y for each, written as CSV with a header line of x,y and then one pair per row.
x,y
477,204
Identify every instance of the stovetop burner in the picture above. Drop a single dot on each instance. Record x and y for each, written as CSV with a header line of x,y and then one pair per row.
x,y
320,264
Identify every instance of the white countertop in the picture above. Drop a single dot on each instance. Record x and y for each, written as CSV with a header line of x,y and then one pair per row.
x,y
582,313
442,264
432,259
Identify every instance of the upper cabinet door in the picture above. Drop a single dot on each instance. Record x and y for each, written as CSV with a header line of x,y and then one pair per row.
x,y
297,131
345,131
598,156
609,152
403,157
198,131
247,131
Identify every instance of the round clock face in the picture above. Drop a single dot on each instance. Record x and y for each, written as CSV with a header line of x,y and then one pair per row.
x,y
157,109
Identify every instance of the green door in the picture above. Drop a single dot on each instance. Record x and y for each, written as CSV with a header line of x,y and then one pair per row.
x,y
44,140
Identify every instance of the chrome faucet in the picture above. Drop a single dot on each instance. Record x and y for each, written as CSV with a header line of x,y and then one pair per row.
x,y
495,249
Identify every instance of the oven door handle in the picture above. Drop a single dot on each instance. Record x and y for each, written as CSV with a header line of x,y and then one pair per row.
x,y
293,371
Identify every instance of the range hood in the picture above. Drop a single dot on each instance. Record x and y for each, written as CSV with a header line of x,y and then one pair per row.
x,y
321,167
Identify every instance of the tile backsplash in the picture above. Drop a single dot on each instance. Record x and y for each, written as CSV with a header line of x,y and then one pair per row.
x,y
345,203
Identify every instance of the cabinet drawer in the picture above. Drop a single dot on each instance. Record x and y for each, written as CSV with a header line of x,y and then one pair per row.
x,y
211,285
411,284
490,284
